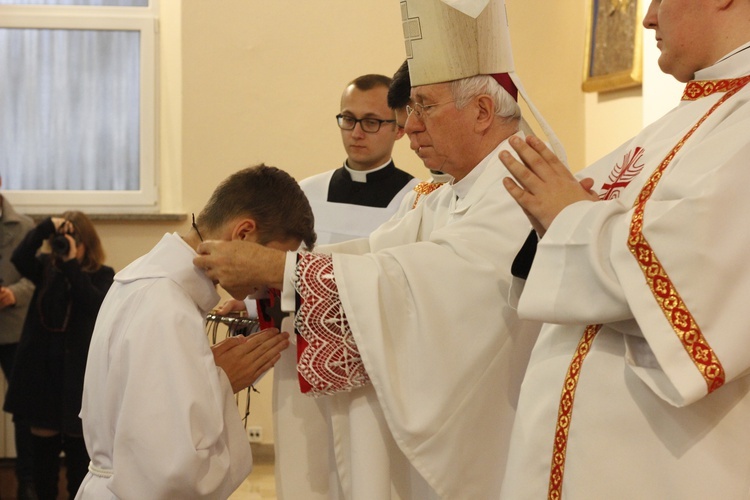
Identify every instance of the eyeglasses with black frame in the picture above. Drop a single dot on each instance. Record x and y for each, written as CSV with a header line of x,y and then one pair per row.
x,y
369,125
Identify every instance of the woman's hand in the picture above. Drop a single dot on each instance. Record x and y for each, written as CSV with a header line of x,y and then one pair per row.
x,y
64,227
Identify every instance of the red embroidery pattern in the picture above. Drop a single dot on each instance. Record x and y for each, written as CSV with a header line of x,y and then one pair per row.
x,y
565,411
672,305
701,88
423,189
674,308
328,359
621,176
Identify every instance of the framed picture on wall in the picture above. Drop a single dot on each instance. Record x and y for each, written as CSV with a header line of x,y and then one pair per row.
x,y
613,55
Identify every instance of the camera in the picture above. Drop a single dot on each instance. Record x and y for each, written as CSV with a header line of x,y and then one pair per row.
x,y
60,245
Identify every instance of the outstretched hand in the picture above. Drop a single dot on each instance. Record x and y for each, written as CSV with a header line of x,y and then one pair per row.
x,y
244,359
241,267
543,185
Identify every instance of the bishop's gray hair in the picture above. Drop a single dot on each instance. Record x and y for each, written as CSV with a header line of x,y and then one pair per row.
x,y
465,89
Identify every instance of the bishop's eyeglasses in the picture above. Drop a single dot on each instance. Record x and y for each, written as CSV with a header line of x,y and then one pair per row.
x,y
420,110
369,125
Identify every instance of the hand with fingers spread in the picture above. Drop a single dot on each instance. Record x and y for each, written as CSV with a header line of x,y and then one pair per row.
x,y
543,185
244,359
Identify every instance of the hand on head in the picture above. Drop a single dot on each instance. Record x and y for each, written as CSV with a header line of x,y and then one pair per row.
x,y
241,267
543,185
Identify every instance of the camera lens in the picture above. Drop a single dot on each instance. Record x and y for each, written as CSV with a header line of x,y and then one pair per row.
x,y
60,245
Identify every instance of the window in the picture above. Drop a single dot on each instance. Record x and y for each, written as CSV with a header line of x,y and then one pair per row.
x,y
77,105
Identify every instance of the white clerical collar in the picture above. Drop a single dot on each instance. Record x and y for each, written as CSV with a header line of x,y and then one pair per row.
x,y
462,187
736,63
441,177
361,175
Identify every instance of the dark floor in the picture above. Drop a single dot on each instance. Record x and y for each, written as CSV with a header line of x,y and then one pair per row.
x,y
8,484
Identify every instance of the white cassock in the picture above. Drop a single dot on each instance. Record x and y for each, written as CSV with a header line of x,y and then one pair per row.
x,y
383,187
159,417
424,298
662,404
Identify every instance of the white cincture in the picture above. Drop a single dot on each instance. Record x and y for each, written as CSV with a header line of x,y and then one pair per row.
x,y
105,473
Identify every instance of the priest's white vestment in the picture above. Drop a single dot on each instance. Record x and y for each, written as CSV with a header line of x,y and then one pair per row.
x,y
159,417
424,298
655,402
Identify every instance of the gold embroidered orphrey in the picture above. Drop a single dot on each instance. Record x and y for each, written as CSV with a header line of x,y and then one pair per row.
x,y
423,189
672,305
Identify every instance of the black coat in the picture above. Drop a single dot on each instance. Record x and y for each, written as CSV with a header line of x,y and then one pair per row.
x,y
46,385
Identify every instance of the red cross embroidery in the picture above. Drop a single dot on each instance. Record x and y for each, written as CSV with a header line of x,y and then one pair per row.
x,y
621,176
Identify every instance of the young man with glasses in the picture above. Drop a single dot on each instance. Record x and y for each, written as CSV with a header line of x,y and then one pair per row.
x,y
353,200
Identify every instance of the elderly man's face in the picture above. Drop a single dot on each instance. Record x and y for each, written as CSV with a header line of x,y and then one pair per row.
x,y
438,132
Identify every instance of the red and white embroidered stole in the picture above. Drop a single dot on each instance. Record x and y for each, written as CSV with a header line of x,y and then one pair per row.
x,y
673,307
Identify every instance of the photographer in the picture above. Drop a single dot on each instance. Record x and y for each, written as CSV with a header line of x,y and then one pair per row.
x,y
47,380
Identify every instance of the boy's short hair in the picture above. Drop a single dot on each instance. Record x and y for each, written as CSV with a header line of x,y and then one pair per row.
x,y
270,196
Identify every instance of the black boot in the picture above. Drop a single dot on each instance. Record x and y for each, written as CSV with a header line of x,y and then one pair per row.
x,y
46,460
76,462
24,465
26,491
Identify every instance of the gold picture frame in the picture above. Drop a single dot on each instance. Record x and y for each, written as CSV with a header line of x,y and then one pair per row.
x,y
614,42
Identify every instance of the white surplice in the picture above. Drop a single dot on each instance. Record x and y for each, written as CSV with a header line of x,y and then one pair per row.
x,y
159,417
644,423
425,297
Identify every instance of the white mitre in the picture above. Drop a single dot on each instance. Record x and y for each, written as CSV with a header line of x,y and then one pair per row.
x,y
452,39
